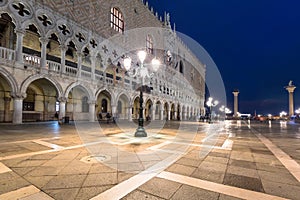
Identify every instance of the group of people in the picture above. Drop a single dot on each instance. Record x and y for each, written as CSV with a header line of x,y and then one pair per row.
x,y
107,116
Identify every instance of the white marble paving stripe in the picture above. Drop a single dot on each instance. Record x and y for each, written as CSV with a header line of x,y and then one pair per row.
x,y
205,145
227,144
219,188
291,165
47,144
159,145
26,154
4,169
37,196
20,193
125,187
24,141
47,151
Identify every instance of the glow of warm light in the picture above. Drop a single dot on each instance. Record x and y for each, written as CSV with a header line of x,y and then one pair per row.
x,y
127,63
298,111
282,114
210,99
142,56
269,115
155,64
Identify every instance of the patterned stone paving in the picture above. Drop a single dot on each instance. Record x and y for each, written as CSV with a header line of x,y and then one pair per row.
x,y
33,169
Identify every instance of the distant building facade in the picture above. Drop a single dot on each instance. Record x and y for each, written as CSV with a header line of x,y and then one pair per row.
x,y
57,59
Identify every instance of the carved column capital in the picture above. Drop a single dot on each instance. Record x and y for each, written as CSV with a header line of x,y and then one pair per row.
x,y
63,47
18,95
62,99
44,40
20,31
91,102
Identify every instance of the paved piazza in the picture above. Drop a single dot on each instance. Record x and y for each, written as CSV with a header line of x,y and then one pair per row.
x,y
240,160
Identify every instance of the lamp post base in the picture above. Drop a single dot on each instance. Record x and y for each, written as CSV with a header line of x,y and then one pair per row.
x,y
140,132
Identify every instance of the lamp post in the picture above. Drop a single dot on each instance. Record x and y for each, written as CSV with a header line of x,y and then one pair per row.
x,y
142,72
210,103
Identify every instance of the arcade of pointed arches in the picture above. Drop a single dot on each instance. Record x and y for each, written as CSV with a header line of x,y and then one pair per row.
x,y
39,95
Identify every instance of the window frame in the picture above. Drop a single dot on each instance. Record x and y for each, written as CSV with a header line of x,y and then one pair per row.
x,y
117,20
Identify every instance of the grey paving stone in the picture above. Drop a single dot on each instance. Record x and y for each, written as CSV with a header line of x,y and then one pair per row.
x,y
86,193
65,181
160,187
122,176
209,175
243,182
100,167
193,193
63,193
242,171
242,163
181,169
140,195
216,159
226,197
189,162
39,181
281,189
100,179
45,171
279,177
219,154
12,184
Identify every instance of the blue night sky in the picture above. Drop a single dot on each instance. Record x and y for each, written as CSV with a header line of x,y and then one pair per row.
x,y
255,45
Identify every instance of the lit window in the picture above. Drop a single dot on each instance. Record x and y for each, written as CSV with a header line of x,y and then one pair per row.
x,y
116,20
149,44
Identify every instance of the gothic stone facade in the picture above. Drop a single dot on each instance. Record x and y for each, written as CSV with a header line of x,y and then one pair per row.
x,y
64,58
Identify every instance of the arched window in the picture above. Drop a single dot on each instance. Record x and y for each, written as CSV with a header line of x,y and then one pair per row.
x,y
85,105
149,44
181,67
104,106
116,20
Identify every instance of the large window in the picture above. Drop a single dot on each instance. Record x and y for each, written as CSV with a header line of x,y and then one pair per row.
x,y
149,44
116,20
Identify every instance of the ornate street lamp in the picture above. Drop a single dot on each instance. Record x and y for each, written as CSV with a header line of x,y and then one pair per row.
x,y
210,103
142,72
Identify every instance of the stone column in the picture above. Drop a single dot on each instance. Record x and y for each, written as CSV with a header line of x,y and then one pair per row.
x,y
180,113
175,114
113,110
18,107
62,108
169,114
92,111
7,109
45,116
93,65
290,88
115,75
236,103
129,112
79,62
153,112
63,49
19,45
44,41
161,117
